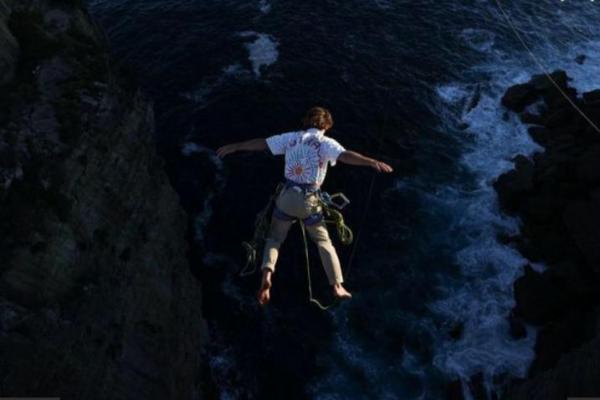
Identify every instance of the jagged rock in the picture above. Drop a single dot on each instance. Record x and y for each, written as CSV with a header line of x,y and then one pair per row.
x,y
588,166
592,97
529,118
542,83
559,337
558,118
582,219
542,208
552,96
517,327
97,300
575,375
513,185
9,47
518,97
560,229
539,134
539,299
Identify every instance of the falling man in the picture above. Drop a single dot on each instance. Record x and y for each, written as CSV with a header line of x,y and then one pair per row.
x,y
308,152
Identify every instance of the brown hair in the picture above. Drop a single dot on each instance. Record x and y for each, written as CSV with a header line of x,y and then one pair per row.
x,y
317,117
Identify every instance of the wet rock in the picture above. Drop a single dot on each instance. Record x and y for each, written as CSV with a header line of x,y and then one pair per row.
x,y
574,375
90,306
515,184
542,83
558,118
530,118
559,337
588,166
9,47
520,96
582,219
592,97
539,299
542,208
547,88
539,134
57,20
561,229
517,327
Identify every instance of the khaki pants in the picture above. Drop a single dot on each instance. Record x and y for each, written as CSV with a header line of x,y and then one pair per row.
x,y
294,203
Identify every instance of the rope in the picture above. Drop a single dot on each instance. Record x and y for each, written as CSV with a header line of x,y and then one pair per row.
x,y
261,228
542,67
336,218
311,299
261,224
371,187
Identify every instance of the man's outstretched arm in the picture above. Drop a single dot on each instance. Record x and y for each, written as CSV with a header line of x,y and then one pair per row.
x,y
354,158
258,144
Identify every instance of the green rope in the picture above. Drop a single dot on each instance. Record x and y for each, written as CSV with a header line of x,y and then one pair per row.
x,y
336,218
261,230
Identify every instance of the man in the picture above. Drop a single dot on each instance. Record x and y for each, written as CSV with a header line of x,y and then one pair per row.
x,y
308,153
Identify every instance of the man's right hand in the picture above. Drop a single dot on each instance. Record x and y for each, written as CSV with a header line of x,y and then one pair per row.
x,y
380,166
227,149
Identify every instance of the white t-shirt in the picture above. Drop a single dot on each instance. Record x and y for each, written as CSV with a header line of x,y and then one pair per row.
x,y
307,154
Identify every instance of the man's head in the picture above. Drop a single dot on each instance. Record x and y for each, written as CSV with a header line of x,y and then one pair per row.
x,y
317,117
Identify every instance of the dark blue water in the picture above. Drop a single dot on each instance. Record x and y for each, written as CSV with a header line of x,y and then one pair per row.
x,y
415,83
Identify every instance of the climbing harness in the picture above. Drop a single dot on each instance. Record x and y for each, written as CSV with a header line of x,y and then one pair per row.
x,y
330,205
514,29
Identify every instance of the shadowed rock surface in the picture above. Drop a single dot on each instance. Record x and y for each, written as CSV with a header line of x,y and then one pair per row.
x,y
96,296
557,196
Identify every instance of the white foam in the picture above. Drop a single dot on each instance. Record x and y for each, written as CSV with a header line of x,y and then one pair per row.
x,y
264,6
478,39
262,51
201,94
452,92
233,70
223,371
202,219
485,299
189,148
383,4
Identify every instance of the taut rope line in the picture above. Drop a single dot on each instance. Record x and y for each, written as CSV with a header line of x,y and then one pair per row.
x,y
542,67
371,187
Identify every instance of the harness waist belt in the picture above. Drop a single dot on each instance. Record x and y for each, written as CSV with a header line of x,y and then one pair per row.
x,y
306,187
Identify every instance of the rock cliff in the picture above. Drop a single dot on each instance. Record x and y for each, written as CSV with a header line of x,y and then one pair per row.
x,y
556,194
97,300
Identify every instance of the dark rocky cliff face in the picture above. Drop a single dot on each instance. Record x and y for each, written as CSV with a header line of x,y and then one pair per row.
x,y
96,296
557,196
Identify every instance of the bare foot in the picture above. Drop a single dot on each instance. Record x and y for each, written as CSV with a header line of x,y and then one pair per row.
x,y
341,293
264,294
